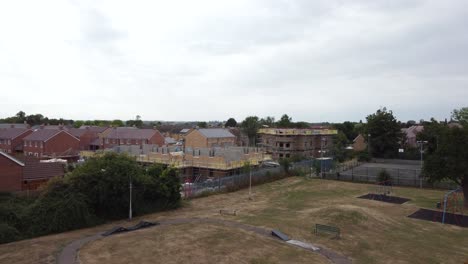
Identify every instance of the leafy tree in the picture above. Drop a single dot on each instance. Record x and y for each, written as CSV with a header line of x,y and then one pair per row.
x,y
447,155
340,143
286,164
78,123
385,134
202,124
117,123
384,177
136,123
231,123
250,127
268,121
301,125
285,122
349,129
461,115
105,182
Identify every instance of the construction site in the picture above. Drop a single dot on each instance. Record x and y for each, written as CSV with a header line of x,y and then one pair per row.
x,y
195,163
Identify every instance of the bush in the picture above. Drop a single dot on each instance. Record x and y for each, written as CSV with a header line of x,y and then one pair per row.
x,y
8,233
59,208
363,156
384,177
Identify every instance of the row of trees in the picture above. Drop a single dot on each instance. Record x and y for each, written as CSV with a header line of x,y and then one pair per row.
x,y
39,119
93,193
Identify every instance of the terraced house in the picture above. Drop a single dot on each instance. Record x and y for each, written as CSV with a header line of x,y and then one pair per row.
x,y
133,136
51,143
11,139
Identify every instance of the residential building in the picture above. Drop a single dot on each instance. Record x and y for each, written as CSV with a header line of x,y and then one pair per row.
x,y
290,142
359,143
11,139
17,175
411,133
10,125
133,136
44,143
210,137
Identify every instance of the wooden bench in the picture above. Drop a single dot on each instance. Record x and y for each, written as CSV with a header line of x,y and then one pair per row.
x,y
327,229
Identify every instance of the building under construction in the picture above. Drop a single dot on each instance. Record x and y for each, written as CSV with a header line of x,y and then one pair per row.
x,y
290,142
196,163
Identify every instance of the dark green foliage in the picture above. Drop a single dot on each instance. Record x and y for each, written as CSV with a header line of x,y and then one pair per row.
x,y
202,124
385,134
93,193
384,176
231,122
447,155
363,156
349,129
285,122
250,127
105,182
8,233
286,164
339,151
461,115
59,208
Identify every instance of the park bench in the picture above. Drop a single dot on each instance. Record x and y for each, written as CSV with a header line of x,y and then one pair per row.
x,y
327,229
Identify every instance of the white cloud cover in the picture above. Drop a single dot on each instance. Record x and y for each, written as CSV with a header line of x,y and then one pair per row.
x,y
210,60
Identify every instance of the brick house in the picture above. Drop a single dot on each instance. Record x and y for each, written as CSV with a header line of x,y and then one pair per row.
x,y
210,137
16,175
43,143
132,136
11,173
359,143
11,139
289,142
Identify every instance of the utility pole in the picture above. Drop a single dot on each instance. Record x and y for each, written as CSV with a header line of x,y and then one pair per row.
x,y
130,205
421,145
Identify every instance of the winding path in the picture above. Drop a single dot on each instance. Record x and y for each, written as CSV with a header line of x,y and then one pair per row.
x,y
70,252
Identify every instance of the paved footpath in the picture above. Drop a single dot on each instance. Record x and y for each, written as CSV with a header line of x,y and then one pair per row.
x,y
70,252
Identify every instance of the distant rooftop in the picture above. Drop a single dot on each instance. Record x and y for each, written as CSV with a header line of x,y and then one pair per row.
x,y
298,131
216,133
11,133
131,133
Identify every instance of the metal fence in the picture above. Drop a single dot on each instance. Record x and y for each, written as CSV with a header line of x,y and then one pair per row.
x,y
238,181
399,176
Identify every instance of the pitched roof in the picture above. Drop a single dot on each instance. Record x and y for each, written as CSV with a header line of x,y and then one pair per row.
x,y
95,129
169,140
45,134
37,170
132,133
185,130
11,133
77,132
11,158
21,125
216,133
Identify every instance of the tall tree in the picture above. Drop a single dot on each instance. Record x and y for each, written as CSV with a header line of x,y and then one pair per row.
x,y
268,121
385,134
461,115
202,124
447,155
285,121
231,122
250,127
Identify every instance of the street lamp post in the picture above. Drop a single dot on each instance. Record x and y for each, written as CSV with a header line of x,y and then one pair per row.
x,y
421,145
368,144
130,205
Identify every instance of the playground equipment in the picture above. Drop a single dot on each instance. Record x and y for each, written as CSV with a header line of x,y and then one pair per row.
x,y
382,189
453,204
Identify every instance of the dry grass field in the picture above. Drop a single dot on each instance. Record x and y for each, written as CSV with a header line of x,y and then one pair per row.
x,y
372,231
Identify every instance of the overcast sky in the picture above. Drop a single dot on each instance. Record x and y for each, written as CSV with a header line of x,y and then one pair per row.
x,y
211,60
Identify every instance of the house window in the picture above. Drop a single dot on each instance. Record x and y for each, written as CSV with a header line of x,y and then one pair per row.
x,y
30,143
287,145
35,144
280,155
41,144
30,153
36,154
25,143
281,145
9,142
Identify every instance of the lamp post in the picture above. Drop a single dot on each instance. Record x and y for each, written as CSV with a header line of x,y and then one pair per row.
x,y
368,144
130,186
421,145
321,156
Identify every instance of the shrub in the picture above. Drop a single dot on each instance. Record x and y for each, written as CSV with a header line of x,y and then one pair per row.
x,y
384,177
8,233
363,156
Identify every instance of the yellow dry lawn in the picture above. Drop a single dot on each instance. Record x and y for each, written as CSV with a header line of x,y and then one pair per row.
x,y
372,232
193,243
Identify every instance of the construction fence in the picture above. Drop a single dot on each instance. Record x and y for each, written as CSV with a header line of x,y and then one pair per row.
x,y
203,186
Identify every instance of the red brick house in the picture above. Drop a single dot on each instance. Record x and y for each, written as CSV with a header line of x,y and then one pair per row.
x,y
16,175
133,136
11,139
11,173
43,143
